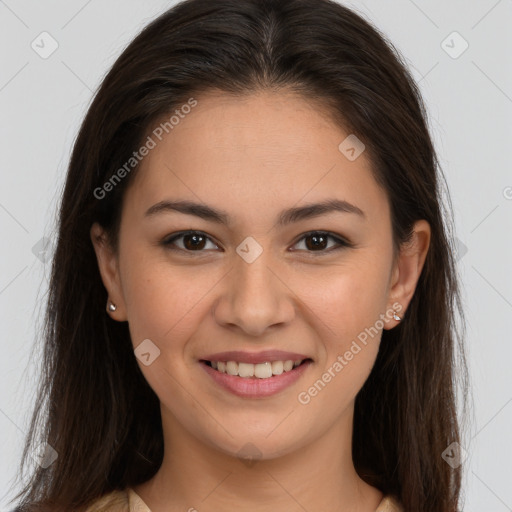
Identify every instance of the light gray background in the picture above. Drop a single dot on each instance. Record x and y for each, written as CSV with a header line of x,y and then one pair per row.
x,y
42,102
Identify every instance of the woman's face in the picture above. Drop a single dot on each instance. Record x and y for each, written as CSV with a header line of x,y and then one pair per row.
x,y
257,280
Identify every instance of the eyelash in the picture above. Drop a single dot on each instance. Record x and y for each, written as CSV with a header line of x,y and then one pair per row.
x,y
342,244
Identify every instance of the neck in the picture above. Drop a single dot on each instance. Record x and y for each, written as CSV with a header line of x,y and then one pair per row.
x,y
320,475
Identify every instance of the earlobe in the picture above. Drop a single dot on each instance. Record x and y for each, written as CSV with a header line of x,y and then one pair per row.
x,y
109,271
408,268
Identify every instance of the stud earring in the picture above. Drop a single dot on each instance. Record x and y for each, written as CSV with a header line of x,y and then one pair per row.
x,y
111,306
395,316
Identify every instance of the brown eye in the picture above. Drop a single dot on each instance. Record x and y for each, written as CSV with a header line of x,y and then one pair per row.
x,y
318,241
191,241
194,241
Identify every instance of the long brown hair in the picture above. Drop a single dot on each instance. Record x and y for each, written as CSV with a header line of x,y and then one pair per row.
x,y
94,407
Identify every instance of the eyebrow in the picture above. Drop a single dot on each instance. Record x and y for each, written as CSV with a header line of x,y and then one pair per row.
x,y
285,217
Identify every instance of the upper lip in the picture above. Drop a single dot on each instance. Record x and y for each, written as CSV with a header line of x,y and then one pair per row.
x,y
255,357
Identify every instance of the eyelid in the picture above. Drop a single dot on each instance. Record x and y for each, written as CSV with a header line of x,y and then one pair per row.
x,y
168,240
341,241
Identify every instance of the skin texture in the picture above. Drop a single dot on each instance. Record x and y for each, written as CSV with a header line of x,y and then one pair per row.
x,y
254,156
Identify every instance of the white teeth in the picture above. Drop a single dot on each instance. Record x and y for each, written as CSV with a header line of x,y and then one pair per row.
x,y
277,367
287,366
260,370
263,370
232,368
245,369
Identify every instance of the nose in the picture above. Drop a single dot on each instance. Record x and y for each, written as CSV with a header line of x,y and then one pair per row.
x,y
254,297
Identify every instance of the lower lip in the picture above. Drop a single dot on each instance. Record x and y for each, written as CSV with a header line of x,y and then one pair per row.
x,y
249,387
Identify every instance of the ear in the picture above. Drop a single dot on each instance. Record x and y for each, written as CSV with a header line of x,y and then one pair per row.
x,y
109,270
407,270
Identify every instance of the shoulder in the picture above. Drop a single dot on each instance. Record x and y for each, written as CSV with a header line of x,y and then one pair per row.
x,y
115,501
389,504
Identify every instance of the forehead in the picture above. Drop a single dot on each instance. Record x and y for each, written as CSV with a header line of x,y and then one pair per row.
x,y
259,152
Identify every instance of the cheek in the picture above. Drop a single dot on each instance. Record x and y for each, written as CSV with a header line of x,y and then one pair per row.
x,y
346,298
347,310
347,303
164,302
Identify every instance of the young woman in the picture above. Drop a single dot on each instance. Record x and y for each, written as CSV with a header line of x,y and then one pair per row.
x,y
253,297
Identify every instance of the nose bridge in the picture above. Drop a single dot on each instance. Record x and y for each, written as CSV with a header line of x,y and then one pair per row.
x,y
254,282
254,298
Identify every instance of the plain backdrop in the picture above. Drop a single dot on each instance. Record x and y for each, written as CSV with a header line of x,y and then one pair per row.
x,y
459,52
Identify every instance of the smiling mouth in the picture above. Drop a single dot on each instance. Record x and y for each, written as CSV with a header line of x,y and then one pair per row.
x,y
264,370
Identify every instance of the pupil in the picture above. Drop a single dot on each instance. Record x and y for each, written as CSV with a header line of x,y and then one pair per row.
x,y
195,244
319,241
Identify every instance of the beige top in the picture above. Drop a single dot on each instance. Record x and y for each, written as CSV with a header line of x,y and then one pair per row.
x,y
129,501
